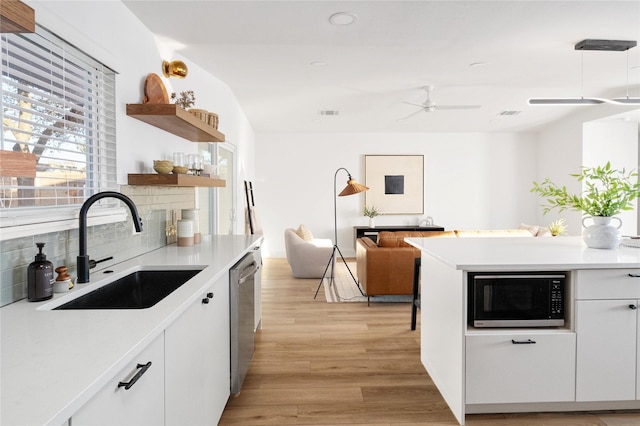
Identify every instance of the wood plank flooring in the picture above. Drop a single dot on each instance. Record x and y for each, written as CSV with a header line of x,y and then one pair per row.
x,y
319,363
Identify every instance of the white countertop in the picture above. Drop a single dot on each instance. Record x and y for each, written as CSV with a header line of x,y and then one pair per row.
x,y
52,362
522,253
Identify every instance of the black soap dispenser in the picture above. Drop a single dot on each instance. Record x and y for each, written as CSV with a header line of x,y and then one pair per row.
x,y
40,277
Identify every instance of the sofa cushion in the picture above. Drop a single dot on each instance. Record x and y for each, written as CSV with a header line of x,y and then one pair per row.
x,y
534,229
304,233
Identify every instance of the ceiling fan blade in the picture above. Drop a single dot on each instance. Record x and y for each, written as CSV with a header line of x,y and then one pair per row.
x,y
414,104
452,107
411,115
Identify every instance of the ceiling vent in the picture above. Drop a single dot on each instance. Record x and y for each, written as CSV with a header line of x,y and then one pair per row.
x,y
329,112
509,112
606,45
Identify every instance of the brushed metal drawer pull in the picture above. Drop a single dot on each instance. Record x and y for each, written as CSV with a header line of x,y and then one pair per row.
x,y
634,275
142,369
523,342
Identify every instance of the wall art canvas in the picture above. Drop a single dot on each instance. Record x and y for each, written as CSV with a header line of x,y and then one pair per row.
x,y
396,183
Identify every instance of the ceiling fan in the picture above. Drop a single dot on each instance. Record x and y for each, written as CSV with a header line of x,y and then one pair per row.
x,y
429,106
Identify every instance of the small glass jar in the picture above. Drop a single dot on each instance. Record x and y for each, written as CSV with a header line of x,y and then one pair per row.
x,y
178,159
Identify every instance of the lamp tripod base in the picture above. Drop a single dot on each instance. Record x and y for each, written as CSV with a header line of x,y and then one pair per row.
x,y
331,264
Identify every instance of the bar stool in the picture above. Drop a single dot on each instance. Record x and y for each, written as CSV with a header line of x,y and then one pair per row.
x,y
415,304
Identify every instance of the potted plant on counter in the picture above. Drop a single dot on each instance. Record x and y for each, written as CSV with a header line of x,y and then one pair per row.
x,y
371,212
608,191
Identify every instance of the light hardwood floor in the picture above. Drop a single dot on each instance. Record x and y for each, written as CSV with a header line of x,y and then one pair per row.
x,y
319,363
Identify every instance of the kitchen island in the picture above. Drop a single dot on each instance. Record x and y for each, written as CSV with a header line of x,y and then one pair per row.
x,y
589,363
59,364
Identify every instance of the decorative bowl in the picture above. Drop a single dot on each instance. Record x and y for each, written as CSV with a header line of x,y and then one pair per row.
x,y
180,170
163,169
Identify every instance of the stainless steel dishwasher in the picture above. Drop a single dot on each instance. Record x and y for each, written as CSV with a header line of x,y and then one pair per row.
x,y
242,283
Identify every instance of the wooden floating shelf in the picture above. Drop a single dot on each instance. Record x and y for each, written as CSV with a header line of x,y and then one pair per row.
x,y
17,17
175,120
174,180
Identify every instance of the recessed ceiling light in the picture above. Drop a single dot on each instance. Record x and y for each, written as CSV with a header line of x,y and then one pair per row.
x,y
343,18
318,64
329,112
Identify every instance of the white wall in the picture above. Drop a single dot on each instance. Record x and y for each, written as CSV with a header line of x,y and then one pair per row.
x,y
617,142
472,181
109,32
561,151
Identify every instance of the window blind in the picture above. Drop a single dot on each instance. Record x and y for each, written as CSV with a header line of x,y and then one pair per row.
x,y
58,142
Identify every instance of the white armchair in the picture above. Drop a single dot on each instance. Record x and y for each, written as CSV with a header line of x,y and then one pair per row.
x,y
308,259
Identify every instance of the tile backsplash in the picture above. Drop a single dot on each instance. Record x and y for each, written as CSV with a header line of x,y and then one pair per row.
x,y
119,240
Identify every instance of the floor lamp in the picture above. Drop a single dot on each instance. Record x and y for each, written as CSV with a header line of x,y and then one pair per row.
x,y
352,187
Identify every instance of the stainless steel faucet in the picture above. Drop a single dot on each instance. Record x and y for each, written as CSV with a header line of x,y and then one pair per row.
x,y
83,257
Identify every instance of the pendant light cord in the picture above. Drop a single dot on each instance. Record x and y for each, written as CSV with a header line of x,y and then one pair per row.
x,y
582,74
627,73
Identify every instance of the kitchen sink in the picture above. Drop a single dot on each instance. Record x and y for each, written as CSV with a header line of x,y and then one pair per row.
x,y
138,290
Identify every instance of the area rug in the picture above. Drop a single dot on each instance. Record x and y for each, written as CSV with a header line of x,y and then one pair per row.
x,y
344,289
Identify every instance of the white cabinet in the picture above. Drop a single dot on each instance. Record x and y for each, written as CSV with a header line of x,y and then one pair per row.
x,y
606,360
141,403
518,368
197,360
607,328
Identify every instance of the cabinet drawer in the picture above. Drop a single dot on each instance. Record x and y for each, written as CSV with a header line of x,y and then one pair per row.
x,y
607,284
141,404
501,371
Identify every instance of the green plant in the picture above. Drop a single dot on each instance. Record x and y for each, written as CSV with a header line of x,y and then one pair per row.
x,y
370,211
557,227
608,192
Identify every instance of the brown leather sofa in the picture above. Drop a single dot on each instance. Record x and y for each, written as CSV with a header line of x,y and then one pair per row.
x,y
386,268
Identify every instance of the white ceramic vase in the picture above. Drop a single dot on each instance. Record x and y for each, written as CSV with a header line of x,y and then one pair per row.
x,y
372,222
602,234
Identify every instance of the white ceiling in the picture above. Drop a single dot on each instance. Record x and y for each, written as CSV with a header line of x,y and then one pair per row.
x,y
264,49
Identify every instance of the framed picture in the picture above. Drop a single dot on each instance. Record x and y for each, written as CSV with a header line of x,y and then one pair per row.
x,y
396,183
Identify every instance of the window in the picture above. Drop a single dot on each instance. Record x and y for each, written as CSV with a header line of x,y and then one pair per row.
x,y
58,143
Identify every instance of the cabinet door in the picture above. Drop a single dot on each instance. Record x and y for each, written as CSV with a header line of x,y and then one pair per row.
x,y
506,368
606,350
220,347
197,360
141,404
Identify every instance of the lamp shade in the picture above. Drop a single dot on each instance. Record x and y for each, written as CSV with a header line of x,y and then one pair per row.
x,y
626,101
566,101
352,187
176,69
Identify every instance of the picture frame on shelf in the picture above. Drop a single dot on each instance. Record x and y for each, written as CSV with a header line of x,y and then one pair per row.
x,y
396,183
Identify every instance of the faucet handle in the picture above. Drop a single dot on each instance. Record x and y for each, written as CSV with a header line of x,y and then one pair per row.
x,y
93,263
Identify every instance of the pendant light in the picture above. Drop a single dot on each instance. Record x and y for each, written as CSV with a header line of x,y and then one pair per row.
x,y
626,100
590,44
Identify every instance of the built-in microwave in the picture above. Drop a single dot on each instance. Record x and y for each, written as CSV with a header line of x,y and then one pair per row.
x,y
516,299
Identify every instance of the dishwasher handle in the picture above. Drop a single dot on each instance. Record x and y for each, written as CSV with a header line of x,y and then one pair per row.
x,y
248,272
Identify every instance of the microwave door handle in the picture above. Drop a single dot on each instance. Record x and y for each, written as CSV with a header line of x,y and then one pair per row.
x,y
523,342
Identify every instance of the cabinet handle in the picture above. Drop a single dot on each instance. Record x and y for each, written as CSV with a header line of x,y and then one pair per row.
x,y
633,307
205,300
523,342
210,295
634,275
142,369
